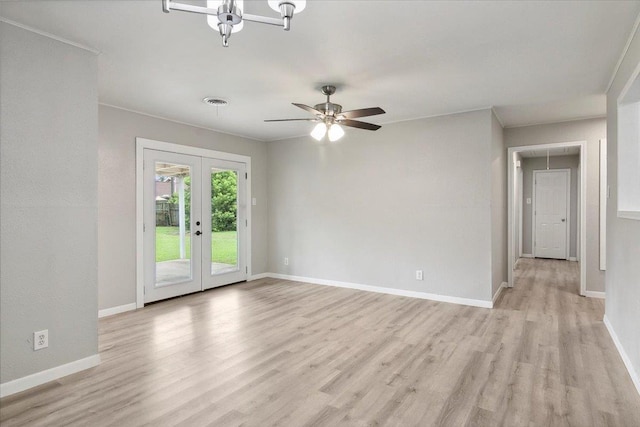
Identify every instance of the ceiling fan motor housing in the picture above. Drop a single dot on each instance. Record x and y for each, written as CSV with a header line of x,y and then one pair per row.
x,y
329,108
328,90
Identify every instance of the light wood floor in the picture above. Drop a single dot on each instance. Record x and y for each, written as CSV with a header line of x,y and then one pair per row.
x,y
274,352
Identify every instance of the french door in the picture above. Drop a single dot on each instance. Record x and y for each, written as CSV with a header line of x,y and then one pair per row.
x,y
195,223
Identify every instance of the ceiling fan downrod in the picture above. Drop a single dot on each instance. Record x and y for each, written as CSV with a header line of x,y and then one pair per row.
x,y
329,109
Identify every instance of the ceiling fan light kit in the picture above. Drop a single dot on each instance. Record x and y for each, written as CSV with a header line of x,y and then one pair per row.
x,y
335,132
227,15
331,118
319,131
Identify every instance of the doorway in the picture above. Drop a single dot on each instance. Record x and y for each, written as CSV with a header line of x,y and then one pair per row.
x,y
193,220
520,237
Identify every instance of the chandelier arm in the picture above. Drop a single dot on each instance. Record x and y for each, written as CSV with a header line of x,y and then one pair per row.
x,y
168,5
263,19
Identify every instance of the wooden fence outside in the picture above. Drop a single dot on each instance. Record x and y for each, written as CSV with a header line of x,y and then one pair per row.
x,y
166,214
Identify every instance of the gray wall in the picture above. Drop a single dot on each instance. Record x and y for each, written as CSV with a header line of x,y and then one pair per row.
x,y
591,130
376,206
623,235
540,163
48,212
498,206
117,193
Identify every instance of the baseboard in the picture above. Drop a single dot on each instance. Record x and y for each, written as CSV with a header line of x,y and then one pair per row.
x,y
33,380
527,256
498,292
627,362
594,294
257,276
572,258
117,310
382,290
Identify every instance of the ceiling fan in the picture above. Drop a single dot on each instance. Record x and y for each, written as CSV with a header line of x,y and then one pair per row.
x,y
330,116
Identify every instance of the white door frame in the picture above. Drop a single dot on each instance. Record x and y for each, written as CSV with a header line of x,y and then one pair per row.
x,y
520,200
568,210
604,190
582,232
141,145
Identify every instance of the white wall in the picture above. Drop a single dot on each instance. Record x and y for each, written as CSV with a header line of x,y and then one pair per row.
x,y
591,130
377,206
48,213
117,193
623,235
540,163
498,206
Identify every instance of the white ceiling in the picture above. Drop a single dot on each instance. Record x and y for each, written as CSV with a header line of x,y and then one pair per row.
x,y
535,62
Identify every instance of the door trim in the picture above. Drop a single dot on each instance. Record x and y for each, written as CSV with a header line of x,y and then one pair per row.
x,y
568,211
582,192
141,145
520,192
604,190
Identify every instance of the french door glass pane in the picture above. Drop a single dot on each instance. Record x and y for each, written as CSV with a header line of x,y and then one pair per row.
x,y
224,221
173,234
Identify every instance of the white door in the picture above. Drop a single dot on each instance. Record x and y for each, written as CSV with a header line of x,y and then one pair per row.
x,y
194,224
551,213
224,204
172,253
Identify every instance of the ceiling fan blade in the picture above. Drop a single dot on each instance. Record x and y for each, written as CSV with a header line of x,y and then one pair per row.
x,y
309,109
363,112
291,120
358,124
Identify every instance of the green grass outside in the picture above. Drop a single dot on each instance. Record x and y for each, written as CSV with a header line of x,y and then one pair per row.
x,y
224,247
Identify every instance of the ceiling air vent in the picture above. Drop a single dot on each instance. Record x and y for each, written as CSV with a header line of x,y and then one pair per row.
x,y
216,102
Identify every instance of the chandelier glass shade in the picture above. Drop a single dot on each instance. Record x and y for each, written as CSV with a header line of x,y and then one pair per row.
x,y
299,4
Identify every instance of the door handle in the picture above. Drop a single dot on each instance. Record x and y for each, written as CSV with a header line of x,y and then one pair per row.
x,y
199,233
562,219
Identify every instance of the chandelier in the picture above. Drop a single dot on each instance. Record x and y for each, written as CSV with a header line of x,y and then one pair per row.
x,y
227,15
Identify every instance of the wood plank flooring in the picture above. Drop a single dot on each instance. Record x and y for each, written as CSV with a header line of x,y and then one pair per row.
x,y
273,352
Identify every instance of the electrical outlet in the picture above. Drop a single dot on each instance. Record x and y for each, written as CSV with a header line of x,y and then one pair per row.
x,y
40,339
418,274
286,261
